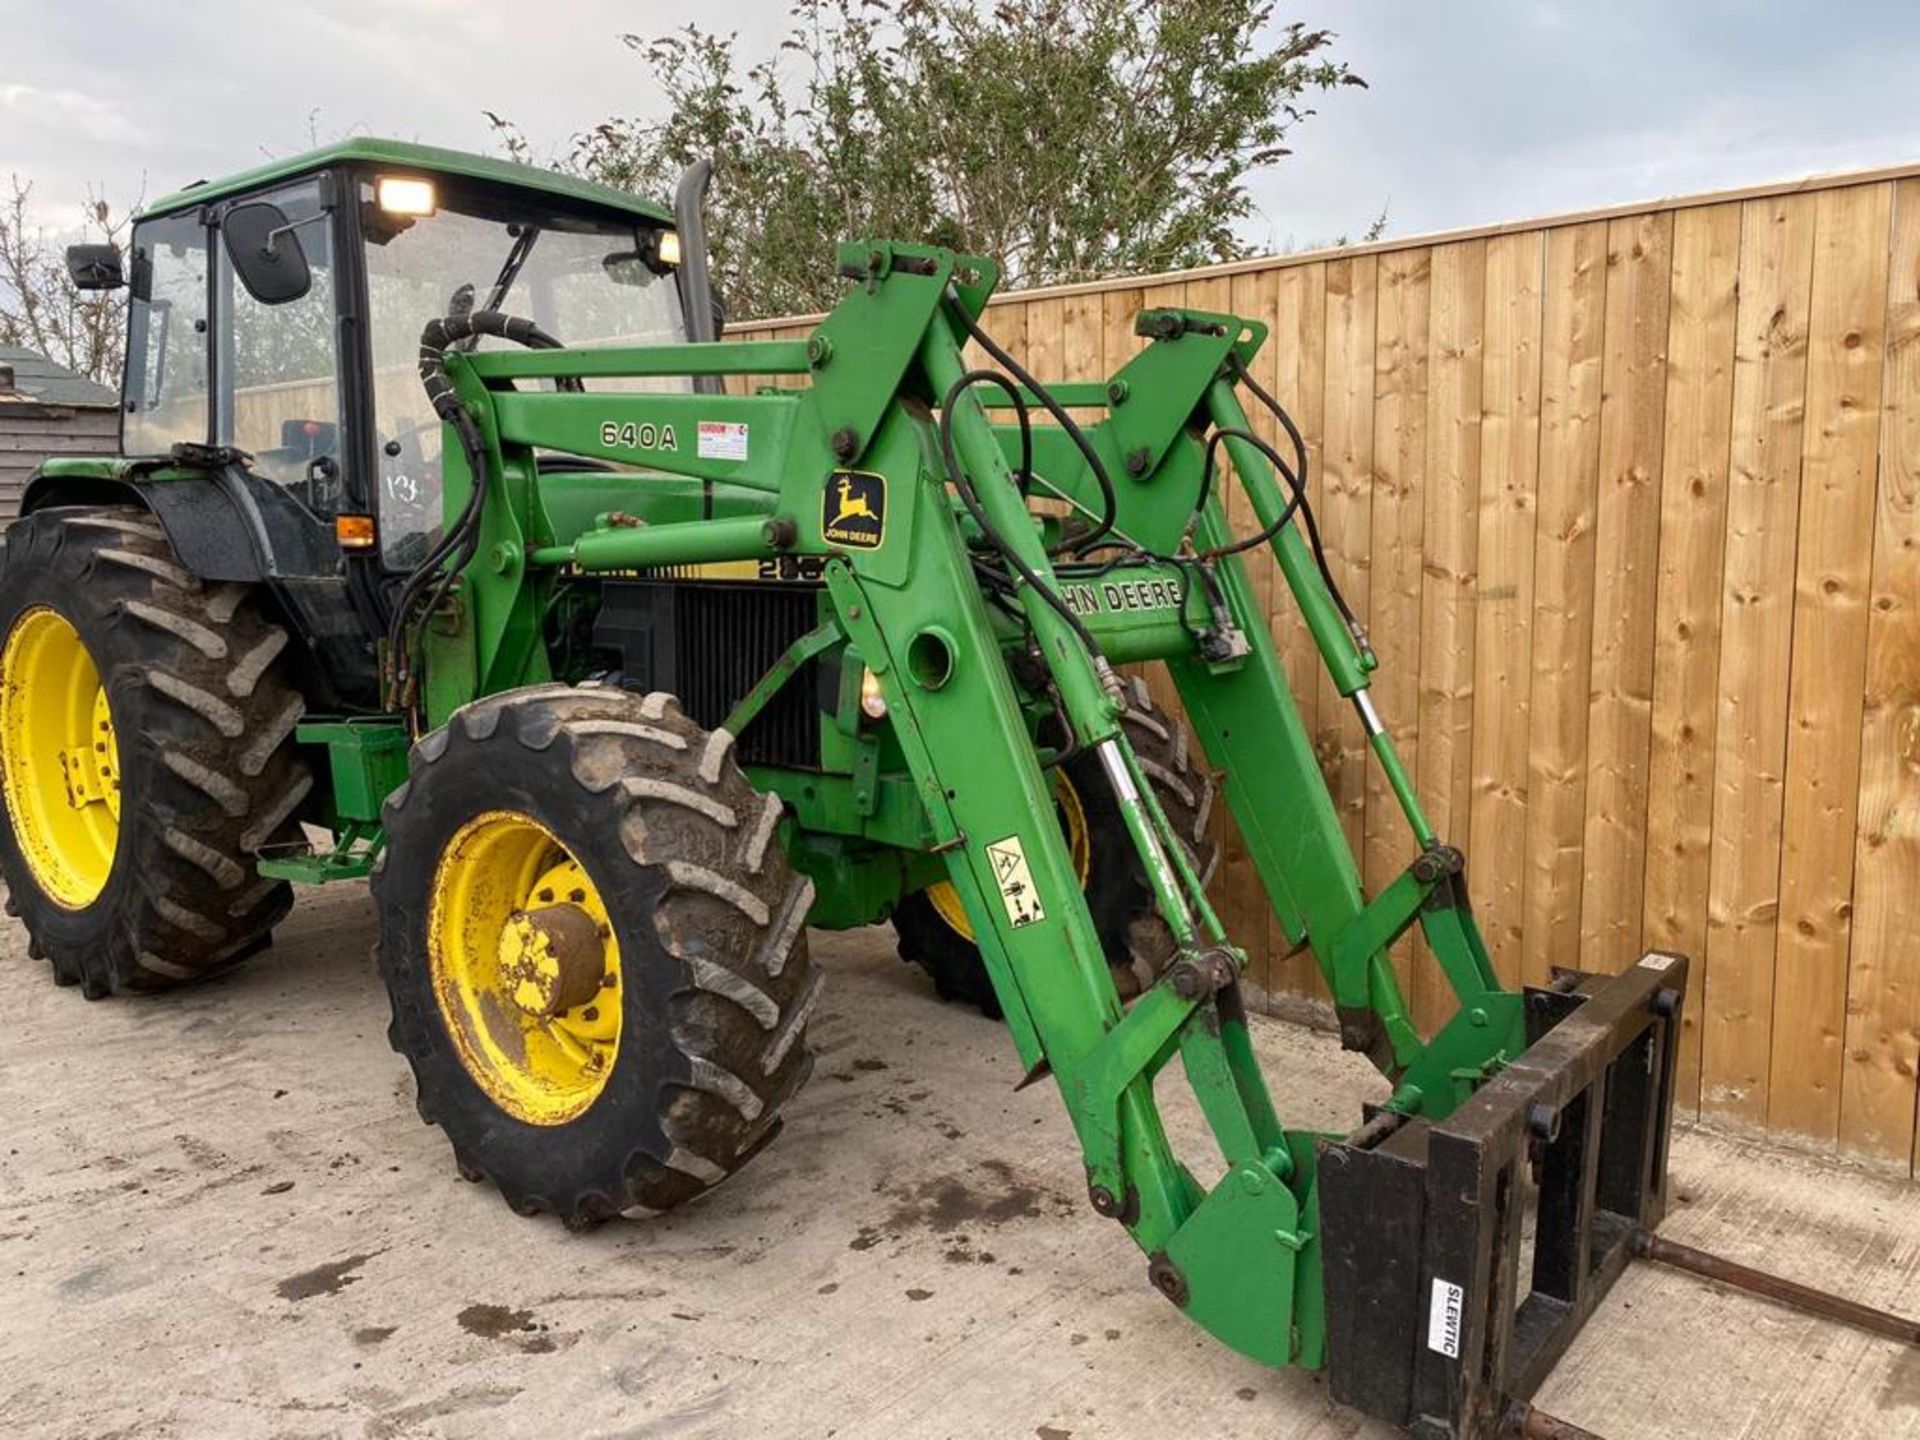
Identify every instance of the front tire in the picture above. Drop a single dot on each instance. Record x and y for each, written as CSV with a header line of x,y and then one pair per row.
x,y
146,755
595,950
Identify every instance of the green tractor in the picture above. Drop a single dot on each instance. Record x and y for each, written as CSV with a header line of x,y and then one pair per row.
x,y
450,546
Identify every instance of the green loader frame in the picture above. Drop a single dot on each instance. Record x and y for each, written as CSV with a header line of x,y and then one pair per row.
x,y
851,470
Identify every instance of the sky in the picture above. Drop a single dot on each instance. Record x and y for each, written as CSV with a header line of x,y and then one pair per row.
x,y
1478,110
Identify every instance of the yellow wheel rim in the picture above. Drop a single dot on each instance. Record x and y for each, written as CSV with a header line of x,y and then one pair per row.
x,y
1073,822
60,762
525,967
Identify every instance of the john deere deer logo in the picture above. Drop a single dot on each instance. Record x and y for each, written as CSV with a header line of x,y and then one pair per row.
x,y
854,509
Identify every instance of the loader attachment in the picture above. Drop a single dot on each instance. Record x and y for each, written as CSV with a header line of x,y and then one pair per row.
x,y
1438,1260
1462,1256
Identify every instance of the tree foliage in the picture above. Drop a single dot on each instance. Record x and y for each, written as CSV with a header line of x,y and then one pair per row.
x,y
1069,139
41,308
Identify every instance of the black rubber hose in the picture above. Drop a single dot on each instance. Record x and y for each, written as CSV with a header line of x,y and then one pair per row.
x,y
1109,501
437,337
1296,502
963,484
1306,509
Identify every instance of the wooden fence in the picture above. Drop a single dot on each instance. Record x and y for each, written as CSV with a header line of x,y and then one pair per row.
x,y
1628,501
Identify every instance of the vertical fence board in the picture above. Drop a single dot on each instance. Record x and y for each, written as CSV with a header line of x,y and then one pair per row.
x,y
1627,535
1877,1109
1046,343
1399,492
1245,907
1571,363
1346,516
1301,319
1502,647
1451,530
1686,676
1845,334
1756,635
1295,299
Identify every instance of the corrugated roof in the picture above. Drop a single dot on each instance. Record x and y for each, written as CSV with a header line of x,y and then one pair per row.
x,y
37,378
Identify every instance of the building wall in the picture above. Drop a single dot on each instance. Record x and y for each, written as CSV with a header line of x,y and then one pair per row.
x,y
30,433
1631,503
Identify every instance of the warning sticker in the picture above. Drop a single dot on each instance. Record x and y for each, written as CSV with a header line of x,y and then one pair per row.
x,y
1443,1318
1009,861
722,440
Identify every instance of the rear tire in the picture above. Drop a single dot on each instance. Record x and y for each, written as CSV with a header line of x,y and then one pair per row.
x,y
1137,941
202,718
708,962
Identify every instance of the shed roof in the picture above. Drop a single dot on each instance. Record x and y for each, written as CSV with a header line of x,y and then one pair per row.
x,y
37,378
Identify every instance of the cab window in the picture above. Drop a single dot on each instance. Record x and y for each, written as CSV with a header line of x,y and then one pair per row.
x,y
280,399
167,359
579,277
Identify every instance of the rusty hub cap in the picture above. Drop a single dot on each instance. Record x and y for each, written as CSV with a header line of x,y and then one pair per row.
x,y
551,959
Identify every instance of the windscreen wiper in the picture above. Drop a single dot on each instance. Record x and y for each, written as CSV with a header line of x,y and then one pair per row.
x,y
503,282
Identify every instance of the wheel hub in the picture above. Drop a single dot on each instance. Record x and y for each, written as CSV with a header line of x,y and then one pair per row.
x,y
525,967
551,959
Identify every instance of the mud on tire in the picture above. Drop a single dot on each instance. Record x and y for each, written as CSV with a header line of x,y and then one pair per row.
x,y
716,982
1137,941
203,713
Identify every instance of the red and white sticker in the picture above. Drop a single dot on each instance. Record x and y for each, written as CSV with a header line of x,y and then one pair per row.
x,y
722,440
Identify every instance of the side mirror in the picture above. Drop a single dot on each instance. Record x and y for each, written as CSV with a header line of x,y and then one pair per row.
x,y
95,267
266,252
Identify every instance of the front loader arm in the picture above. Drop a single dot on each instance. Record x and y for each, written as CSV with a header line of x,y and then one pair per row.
x,y
860,469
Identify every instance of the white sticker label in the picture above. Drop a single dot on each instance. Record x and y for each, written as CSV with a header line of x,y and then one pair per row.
x,y
721,440
1443,1318
1009,860
1656,961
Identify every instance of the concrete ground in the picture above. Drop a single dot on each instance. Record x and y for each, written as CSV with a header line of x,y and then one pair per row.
x,y
219,1216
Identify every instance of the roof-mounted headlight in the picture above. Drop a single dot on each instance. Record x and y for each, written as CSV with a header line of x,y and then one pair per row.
x,y
404,195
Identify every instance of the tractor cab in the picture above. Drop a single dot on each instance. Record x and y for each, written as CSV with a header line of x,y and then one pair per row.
x,y
274,329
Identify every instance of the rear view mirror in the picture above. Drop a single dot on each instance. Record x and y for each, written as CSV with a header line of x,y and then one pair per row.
x,y
95,267
266,253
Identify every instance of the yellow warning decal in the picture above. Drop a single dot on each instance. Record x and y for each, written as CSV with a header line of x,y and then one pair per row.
x,y
1009,860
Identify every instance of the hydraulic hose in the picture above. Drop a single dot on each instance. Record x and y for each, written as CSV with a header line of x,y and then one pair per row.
x,y
1108,500
439,336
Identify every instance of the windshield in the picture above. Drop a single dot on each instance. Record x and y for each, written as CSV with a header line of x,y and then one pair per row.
x,y
581,279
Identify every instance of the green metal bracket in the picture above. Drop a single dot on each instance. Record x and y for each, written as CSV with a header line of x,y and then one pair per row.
x,y
357,845
367,756
816,641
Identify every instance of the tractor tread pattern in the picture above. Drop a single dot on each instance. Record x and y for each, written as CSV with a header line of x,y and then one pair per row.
x,y
729,921
177,907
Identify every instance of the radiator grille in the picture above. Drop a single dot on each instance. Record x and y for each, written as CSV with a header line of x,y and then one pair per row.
x,y
709,643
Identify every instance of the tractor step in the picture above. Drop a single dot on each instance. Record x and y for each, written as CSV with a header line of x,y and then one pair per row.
x,y
1463,1255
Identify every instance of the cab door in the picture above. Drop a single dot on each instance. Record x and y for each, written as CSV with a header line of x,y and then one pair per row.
x,y
280,389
